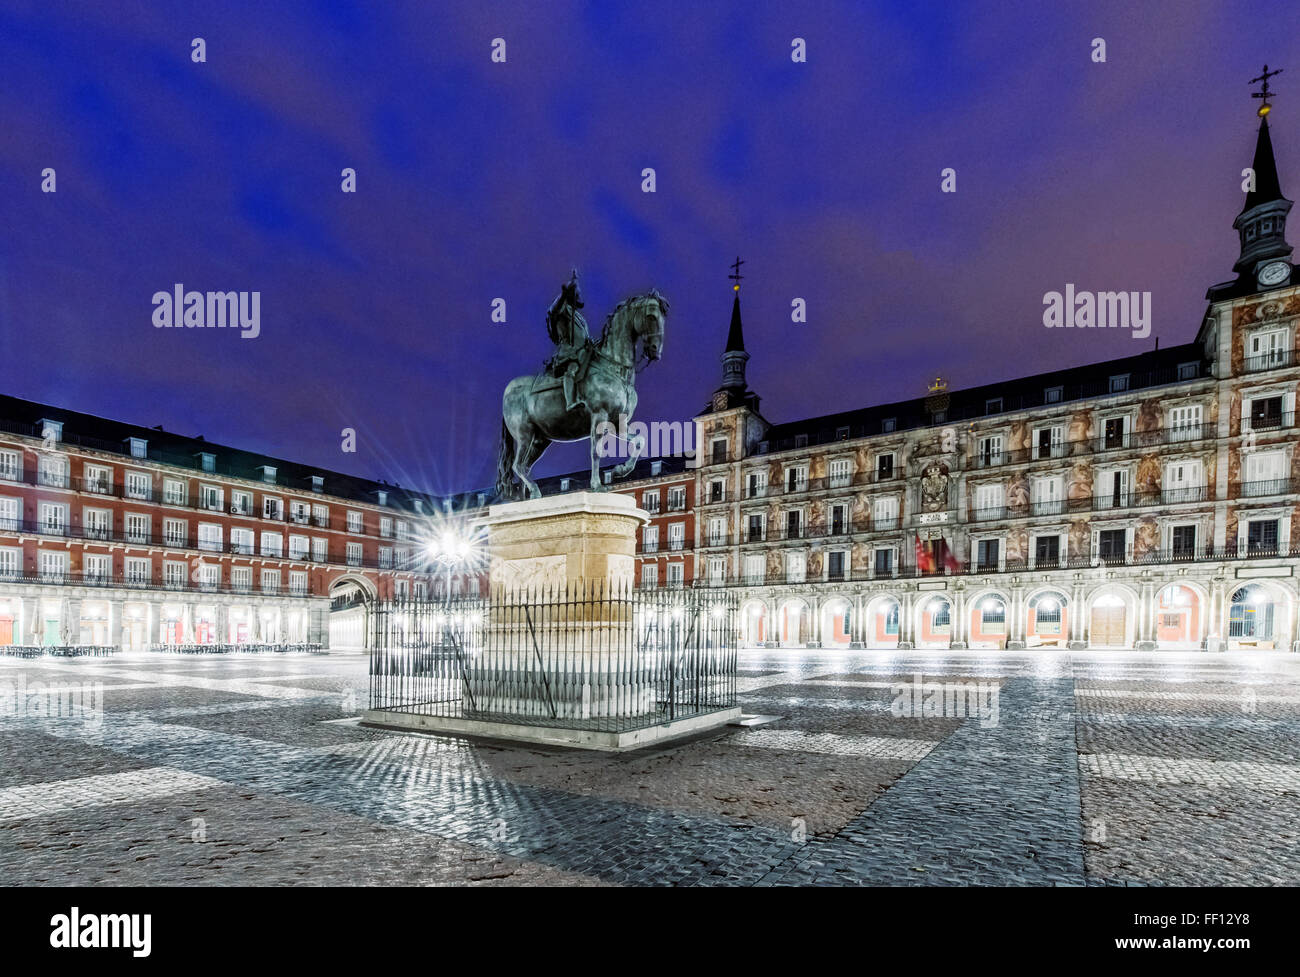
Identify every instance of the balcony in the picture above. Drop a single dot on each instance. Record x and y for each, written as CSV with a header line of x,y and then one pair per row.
x,y
1270,486
1274,359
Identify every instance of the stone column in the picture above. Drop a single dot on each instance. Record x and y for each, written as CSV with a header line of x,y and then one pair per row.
x,y
906,626
960,623
1016,619
1146,631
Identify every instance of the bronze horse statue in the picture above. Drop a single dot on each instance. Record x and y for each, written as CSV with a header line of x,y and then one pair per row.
x,y
533,408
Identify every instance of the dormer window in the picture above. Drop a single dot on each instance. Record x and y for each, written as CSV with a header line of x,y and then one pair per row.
x,y
564,484
1053,395
1119,383
656,467
268,473
842,433
993,406
318,483
383,497
138,447
419,505
208,461
51,430
801,440
889,425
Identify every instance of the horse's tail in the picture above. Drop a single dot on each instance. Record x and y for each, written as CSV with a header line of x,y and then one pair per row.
x,y
505,458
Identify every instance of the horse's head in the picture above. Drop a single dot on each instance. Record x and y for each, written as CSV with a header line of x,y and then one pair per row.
x,y
650,328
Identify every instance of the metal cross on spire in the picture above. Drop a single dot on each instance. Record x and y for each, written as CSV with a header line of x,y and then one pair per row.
x,y
1264,93
735,275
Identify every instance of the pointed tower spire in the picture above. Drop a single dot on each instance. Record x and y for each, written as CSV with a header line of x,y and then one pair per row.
x,y
1264,259
734,357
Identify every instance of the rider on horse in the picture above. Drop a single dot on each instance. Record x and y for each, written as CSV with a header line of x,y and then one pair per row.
x,y
567,329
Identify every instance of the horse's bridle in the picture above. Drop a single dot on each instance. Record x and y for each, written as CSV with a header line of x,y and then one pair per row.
x,y
626,370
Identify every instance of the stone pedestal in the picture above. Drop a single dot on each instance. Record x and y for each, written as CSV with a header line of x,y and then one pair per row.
x,y
582,539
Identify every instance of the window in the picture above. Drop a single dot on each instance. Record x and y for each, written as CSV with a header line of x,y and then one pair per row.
x,y
241,503
1119,383
299,512
242,540
884,563
650,502
272,544
993,405
272,508
53,518
835,565
1111,545
1185,423
241,579
1047,551
793,524
268,473
719,451
402,588
990,450
299,546
52,470
320,549
885,466
208,576
1053,395
676,575
884,512
988,501
717,490
656,467
1047,495
212,498
53,565
650,539
993,616
1182,542
354,554
209,536
96,568
1188,371
1265,473
757,485
839,519
1047,613
649,575
716,534
1267,349
1047,442
97,479
801,440
1261,537
207,461
11,465
677,536
139,569
755,568
677,498
97,523
1183,482
796,479
11,562
11,514
796,568
173,491
175,531
987,552
270,581
139,447
137,485
841,472
756,528
717,570
385,557
1265,413
888,425
298,583
386,526
354,521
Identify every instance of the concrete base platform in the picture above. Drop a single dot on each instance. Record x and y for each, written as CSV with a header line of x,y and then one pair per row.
x,y
587,739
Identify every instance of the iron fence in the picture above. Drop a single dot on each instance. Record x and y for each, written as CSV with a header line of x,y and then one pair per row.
x,y
579,657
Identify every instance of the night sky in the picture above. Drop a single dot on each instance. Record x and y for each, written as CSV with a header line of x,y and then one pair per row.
x,y
479,180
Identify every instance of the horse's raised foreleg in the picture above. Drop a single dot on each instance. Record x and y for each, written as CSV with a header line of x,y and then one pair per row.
x,y
636,447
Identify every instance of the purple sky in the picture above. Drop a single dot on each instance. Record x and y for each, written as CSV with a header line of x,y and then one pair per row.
x,y
478,180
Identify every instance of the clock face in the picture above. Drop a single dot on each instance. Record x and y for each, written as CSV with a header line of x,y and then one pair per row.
x,y
1273,273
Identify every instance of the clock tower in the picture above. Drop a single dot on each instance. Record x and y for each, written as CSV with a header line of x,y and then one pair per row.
x,y
1265,259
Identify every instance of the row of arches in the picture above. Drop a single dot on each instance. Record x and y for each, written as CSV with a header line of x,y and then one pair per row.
x,y
1173,616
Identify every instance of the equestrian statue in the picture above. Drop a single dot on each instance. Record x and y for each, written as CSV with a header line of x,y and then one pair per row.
x,y
585,388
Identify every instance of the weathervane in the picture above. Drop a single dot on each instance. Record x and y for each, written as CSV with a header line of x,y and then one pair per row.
x,y
736,276
1264,92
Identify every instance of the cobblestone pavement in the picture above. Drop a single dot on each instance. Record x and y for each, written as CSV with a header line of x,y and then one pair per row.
x,y
908,768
